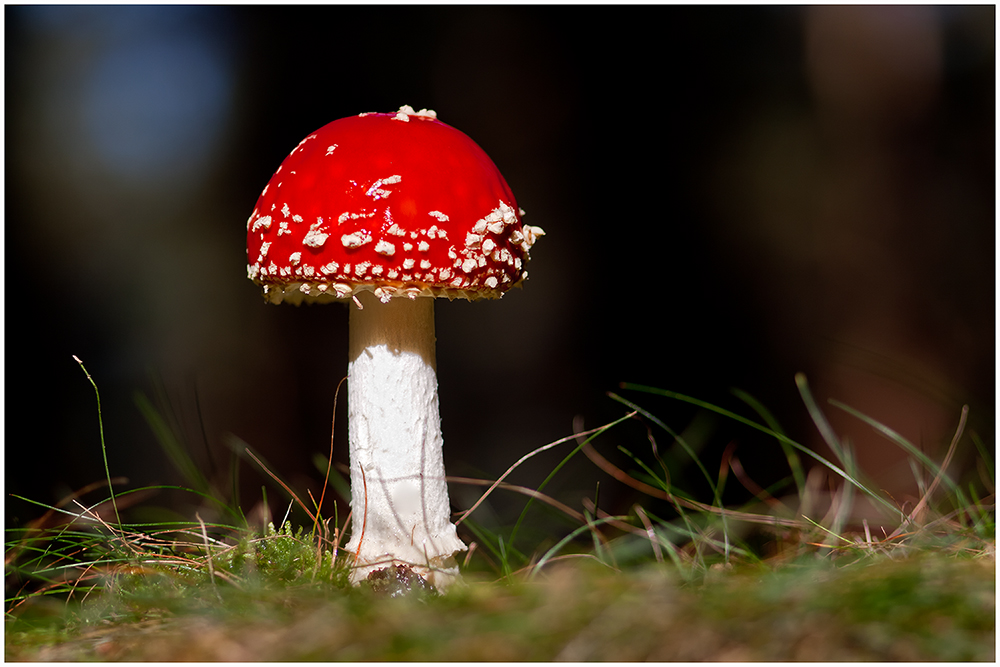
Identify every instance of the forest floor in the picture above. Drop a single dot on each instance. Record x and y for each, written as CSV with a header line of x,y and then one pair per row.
x,y
922,608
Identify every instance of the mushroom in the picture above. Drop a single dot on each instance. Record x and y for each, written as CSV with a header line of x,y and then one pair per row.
x,y
387,210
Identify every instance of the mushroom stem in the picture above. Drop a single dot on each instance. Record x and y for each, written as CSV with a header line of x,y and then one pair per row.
x,y
400,497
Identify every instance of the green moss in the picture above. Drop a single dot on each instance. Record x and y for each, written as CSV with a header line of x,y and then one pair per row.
x,y
930,608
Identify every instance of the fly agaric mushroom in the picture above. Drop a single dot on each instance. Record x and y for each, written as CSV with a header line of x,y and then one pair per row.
x,y
386,210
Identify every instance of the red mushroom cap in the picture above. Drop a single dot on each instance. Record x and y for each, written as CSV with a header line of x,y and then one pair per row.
x,y
399,204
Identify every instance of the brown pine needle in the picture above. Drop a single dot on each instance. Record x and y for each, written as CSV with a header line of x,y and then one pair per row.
x,y
628,480
752,486
283,485
652,535
937,478
364,517
120,534
329,459
208,553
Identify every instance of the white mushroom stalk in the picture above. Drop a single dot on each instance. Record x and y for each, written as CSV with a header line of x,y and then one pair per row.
x,y
401,513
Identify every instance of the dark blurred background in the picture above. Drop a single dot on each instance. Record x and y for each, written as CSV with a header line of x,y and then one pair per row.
x,y
731,195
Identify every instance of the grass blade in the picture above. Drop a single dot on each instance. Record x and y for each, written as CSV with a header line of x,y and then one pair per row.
x,y
763,429
902,442
566,540
104,449
794,462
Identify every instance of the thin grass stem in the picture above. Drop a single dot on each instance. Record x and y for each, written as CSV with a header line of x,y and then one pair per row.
x,y
592,433
100,425
566,540
678,437
555,470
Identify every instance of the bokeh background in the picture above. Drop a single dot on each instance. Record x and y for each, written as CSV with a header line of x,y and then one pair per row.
x,y
731,195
